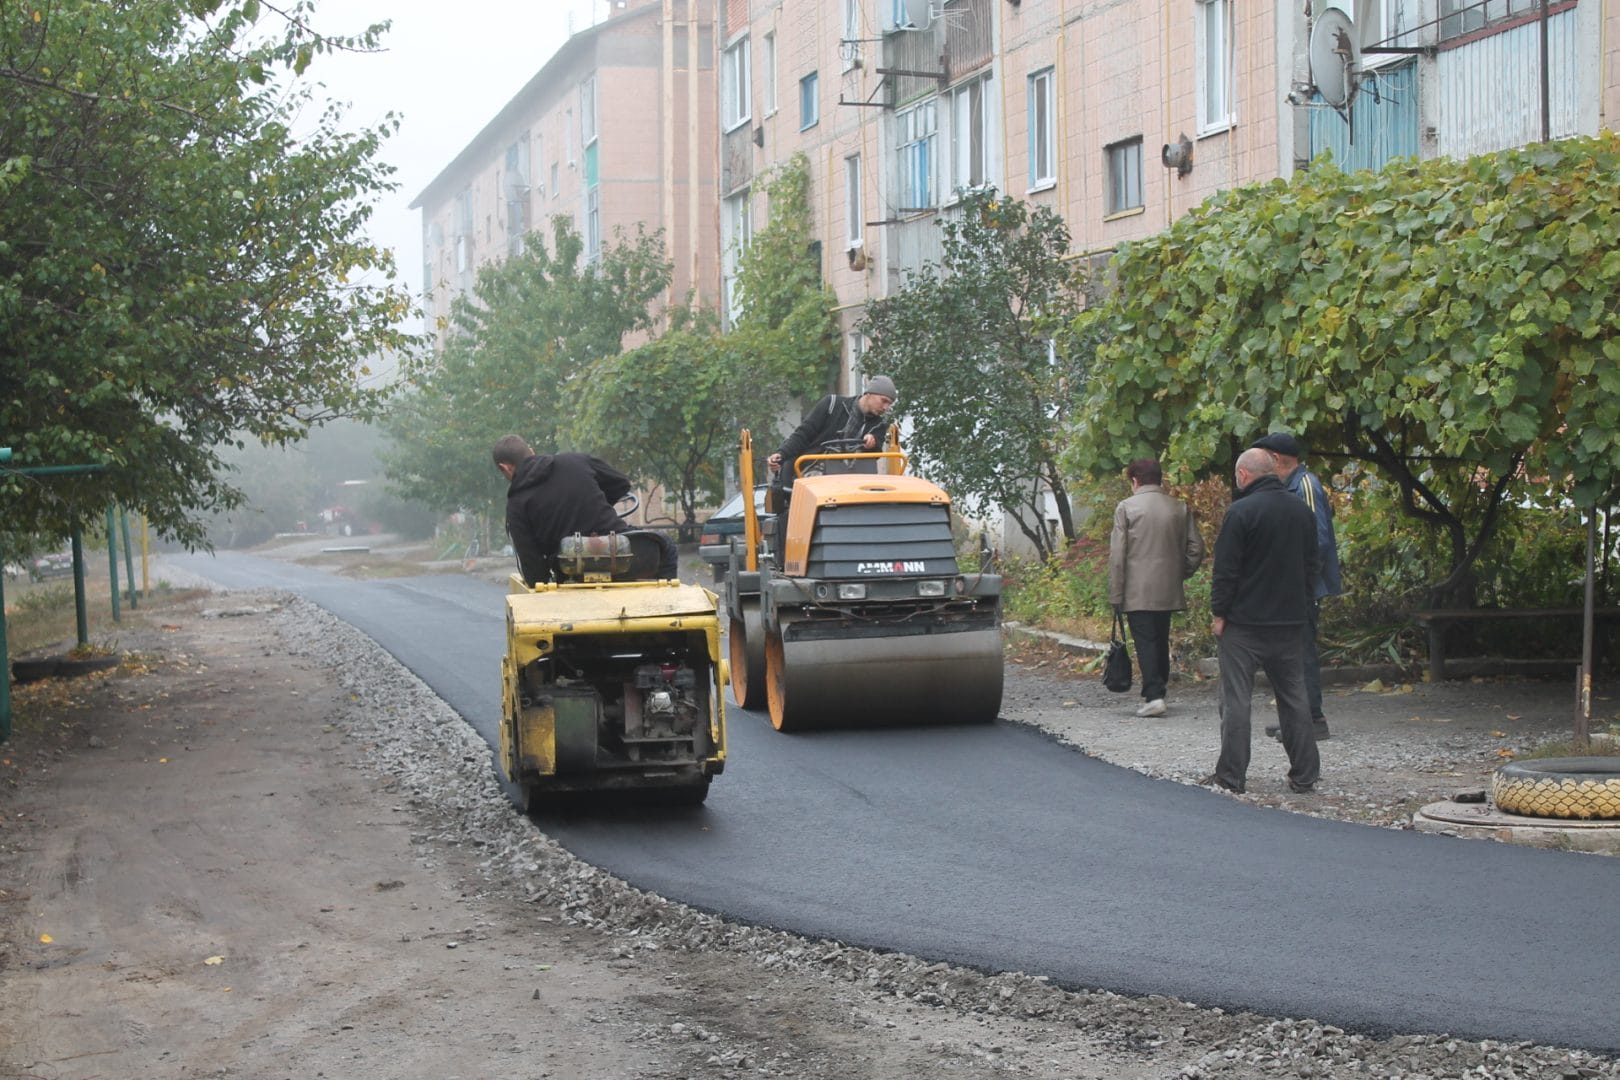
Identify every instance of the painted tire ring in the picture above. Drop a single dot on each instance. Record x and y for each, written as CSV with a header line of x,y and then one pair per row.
x,y
1575,787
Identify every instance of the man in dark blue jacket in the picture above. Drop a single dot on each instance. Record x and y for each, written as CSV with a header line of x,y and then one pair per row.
x,y
550,496
1264,576
1286,452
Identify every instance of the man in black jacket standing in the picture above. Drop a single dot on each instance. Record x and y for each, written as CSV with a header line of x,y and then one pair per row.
x,y
1265,571
550,496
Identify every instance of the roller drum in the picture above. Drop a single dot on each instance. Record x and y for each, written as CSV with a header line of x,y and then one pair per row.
x,y
746,641
876,681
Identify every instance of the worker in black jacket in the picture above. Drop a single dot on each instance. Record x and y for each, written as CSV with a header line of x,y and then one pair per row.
x,y
844,420
550,496
1266,563
852,424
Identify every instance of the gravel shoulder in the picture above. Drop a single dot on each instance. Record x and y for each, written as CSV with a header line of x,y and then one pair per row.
x,y
259,848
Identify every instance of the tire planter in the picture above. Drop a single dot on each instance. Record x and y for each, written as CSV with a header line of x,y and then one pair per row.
x,y
1573,787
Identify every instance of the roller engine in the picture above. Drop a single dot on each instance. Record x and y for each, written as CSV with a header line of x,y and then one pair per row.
x,y
612,682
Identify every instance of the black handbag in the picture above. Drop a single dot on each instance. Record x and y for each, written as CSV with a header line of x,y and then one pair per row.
x,y
1117,668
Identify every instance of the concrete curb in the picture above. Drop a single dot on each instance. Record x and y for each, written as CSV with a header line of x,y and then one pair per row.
x,y
1485,822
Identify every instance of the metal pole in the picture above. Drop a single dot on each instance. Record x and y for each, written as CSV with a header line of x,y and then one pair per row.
x,y
112,563
5,667
1546,106
78,586
1583,713
146,559
129,556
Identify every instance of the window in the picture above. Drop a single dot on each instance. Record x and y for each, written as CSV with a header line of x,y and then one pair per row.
x,y
587,111
464,231
914,155
849,49
1458,17
770,73
855,343
1214,42
556,175
517,194
854,213
809,101
568,135
593,224
974,157
1042,129
734,76
737,231
1125,175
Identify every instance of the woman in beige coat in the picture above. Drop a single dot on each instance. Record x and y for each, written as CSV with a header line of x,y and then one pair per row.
x,y
1155,547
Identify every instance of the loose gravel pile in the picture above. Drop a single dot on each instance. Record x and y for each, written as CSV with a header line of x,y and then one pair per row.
x,y
441,768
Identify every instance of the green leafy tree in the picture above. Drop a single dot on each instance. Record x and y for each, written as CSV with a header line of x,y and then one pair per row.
x,y
517,361
1451,324
182,258
666,412
787,332
970,343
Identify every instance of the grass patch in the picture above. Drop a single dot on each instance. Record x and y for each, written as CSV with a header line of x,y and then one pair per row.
x,y
1603,744
43,617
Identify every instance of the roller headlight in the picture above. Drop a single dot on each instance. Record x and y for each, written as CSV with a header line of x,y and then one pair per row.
x,y
930,588
852,590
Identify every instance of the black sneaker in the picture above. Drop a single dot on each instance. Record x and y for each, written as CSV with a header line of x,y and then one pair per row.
x,y
1301,789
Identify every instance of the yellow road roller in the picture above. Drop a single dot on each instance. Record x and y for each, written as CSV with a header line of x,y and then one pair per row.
x,y
612,682
858,615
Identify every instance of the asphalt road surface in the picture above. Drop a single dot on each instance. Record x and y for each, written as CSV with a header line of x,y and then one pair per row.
x,y
995,847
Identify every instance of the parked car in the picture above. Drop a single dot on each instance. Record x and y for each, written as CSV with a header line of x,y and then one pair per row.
x,y
725,524
58,564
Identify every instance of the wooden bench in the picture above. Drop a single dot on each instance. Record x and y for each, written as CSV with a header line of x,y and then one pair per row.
x,y
1435,621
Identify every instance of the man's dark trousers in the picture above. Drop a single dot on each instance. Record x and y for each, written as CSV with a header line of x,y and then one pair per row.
x,y
1151,632
1279,651
1313,663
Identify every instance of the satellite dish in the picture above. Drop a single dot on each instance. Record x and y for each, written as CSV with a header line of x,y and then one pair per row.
x,y
1335,57
919,15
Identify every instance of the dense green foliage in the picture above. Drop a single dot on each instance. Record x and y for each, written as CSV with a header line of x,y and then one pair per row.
x,y
1450,324
182,258
666,411
517,361
969,342
785,341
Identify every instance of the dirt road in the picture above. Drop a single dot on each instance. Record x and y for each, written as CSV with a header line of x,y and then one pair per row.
x,y
256,850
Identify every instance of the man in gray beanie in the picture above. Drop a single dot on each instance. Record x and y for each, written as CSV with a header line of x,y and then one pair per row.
x,y
857,418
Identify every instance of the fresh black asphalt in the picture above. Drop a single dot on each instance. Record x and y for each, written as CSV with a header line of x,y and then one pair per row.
x,y
993,846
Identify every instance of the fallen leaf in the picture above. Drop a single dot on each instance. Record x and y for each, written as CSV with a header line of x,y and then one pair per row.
x,y
1510,716
1374,687
1498,734
1505,752
1070,703
214,961
45,939
163,761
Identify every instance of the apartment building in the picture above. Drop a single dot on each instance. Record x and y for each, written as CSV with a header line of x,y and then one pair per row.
x,y
1452,78
616,130
902,105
